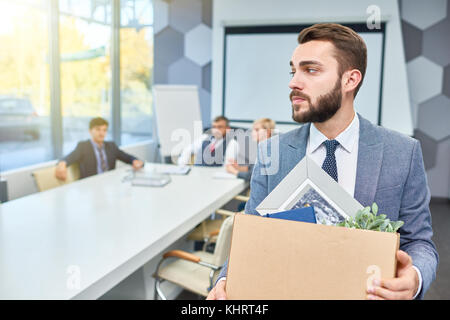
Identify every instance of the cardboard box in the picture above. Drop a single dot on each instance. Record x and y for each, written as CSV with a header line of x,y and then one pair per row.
x,y
282,259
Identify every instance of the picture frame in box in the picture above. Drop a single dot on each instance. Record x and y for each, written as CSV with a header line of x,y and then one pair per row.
x,y
309,184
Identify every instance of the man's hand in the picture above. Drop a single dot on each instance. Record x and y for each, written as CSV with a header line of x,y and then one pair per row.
x,y
61,171
137,164
403,287
218,292
231,169
234,164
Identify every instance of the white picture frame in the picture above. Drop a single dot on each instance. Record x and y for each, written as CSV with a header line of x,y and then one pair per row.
x,y
308,184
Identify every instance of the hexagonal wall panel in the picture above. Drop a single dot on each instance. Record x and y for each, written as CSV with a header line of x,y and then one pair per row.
x,y
207,12
161,15
205,105
438,177
198,44
423,14
185,14
169,46
429,148
446,81
206,77
184,71
414,112
431,26
160,73
436,45
425,79
434,117
412,39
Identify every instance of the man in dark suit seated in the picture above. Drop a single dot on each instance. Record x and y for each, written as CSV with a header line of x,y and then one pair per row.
x,y
95,155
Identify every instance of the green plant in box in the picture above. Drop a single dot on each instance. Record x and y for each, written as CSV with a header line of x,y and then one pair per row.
x,y
367,220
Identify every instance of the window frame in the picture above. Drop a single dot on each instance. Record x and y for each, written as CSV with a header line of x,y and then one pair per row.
x,y
55,76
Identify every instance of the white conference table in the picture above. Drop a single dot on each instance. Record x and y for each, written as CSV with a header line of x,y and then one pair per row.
x,y
80,240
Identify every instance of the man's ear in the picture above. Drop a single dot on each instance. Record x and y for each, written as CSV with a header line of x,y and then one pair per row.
x,y
350,80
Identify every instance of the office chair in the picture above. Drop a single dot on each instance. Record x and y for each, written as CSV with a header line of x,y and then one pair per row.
x,y
45,178
195,271
203,231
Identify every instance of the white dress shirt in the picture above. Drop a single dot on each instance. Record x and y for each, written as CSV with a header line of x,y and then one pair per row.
x,y
231,153
346,152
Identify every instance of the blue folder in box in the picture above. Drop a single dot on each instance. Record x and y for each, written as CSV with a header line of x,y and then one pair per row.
x,y
305,214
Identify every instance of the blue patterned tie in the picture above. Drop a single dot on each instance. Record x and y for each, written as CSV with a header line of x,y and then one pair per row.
x,y
329,164
103,163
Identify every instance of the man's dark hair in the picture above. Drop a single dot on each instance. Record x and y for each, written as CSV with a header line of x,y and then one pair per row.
x,y
351,51
222,118
97,122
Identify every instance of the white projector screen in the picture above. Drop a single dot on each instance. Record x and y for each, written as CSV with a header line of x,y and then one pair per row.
x,y
256,73
177,110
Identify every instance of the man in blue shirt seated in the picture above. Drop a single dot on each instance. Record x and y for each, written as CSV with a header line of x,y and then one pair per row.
x,y
95,155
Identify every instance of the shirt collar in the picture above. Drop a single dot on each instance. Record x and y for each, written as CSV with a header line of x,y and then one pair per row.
x,y
316,138
215,140
346,138
96,146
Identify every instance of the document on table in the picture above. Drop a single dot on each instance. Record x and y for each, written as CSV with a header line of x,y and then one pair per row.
x,y
177,170
223,175
150,179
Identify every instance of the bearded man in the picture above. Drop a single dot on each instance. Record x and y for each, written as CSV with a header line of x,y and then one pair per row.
x,y
371,163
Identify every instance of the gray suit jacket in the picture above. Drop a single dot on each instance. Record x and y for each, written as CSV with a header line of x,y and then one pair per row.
x,y
390,172
246,175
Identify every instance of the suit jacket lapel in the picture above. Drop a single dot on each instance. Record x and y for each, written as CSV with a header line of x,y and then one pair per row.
x,y
91,158
370,156
299,141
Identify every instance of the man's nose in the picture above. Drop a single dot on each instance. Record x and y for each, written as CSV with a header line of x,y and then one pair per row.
x,y
296,83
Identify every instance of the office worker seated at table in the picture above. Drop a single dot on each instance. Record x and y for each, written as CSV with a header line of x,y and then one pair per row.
x,y
372,163
214,148
95,155
262,129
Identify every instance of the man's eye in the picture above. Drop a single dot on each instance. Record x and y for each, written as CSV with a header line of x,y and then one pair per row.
x,y
311,70
292,73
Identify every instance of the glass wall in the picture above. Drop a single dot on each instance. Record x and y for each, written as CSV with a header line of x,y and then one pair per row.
x,y
85,46
136,68
29,131
24,84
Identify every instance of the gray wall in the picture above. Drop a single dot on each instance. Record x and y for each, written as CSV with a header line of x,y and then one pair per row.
x,y
426,26
182,44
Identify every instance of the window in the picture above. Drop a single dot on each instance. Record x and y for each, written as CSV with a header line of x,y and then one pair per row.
x,y
24,84
136,66
34,127
85,46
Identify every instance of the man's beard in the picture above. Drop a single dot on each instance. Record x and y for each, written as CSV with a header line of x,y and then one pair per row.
x,y
326,106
